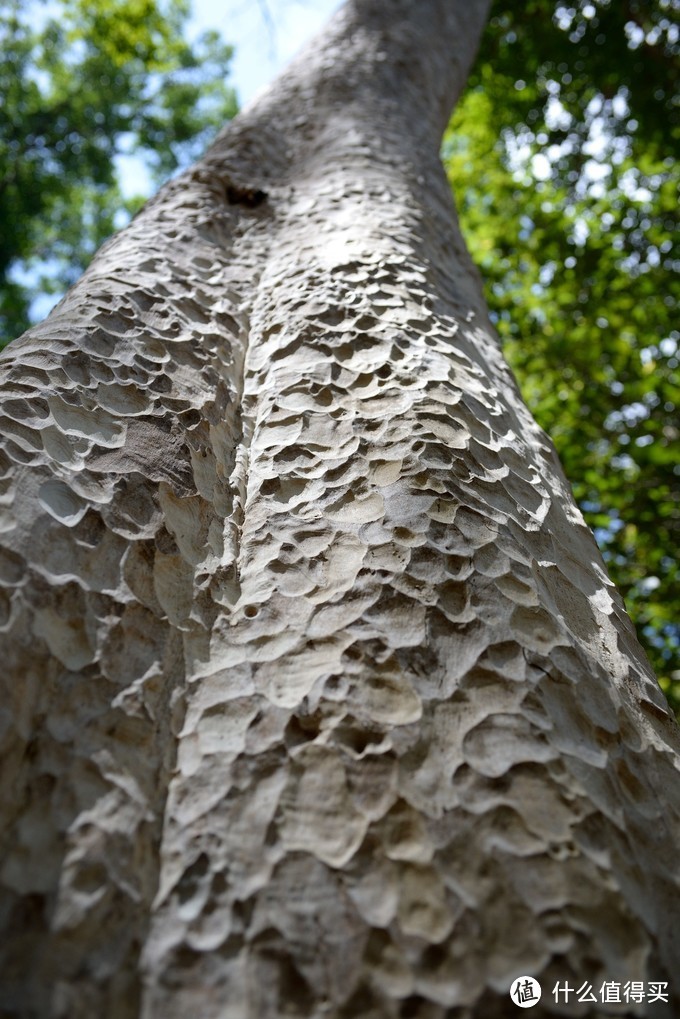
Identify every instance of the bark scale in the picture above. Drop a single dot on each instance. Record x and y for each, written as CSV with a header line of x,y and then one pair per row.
x,y
317,699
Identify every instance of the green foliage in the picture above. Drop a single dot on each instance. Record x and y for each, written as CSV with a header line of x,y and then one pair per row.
x,y
561,157
83,82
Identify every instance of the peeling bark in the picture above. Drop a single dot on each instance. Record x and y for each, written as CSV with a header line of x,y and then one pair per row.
x,y
317,700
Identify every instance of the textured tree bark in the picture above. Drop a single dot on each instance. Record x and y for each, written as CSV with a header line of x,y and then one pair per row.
x,y
317,699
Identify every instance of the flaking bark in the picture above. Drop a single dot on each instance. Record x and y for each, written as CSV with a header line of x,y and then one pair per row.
x,y
317,699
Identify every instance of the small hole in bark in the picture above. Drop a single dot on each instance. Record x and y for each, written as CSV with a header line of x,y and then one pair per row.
x,y
250,197
250,611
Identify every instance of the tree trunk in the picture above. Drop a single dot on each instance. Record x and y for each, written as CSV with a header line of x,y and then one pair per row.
x,y
317,699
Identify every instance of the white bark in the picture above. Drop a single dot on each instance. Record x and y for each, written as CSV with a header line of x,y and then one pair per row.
x,y
317,699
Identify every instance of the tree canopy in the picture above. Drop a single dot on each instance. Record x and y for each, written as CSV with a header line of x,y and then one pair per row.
x,y
83,82
563,160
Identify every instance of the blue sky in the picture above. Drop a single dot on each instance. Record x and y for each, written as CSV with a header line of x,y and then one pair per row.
x,y
264,33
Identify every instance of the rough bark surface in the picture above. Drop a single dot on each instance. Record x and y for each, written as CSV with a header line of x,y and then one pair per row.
x,y
317,700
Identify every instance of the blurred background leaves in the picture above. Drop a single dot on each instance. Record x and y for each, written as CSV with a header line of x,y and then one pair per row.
x,y
563,160
86,83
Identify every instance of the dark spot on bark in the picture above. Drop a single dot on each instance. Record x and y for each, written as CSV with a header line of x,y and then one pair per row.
x,y
301,730
250,197
165,542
